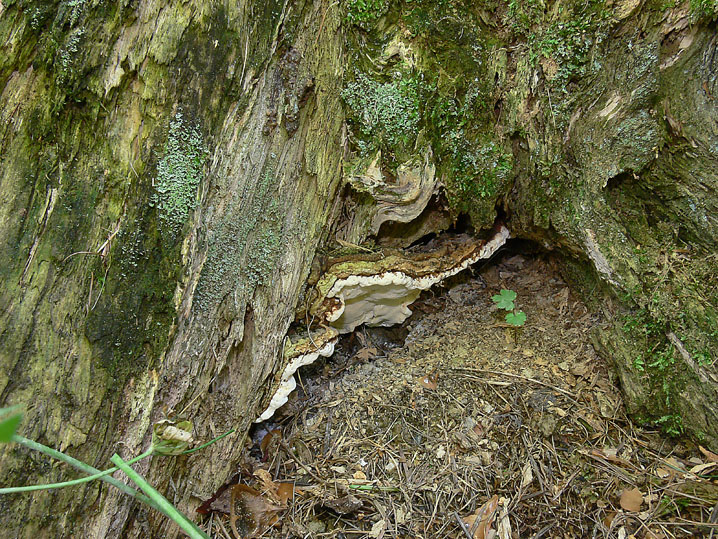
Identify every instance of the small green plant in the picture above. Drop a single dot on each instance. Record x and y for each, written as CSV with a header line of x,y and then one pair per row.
x,y
671,424
168,438
505,300
639,364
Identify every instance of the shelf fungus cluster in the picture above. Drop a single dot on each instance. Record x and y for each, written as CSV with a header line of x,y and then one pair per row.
x,y
377,290
401,200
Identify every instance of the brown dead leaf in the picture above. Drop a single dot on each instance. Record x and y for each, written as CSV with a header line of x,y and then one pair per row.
x,y
611,455
482,521
266,443
701,468
378,529
631,500
250,513
268,487
674,467
359,475
285,492
345,505
655,534
608,519
265,478
712,457
219,503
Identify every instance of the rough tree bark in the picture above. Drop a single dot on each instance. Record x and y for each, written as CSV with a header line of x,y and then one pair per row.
x,y
169,170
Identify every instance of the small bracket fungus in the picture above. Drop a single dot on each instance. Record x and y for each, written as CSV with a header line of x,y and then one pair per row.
x,y
379,292
303,352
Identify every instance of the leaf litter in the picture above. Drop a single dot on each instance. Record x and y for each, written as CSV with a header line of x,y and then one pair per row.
x,y
454,425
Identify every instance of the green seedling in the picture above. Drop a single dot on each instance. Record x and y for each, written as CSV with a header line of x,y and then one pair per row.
x,y
505,300
516,319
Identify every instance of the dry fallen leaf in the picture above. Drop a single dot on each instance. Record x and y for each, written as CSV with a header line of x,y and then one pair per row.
x,y
703,467
285,492
250,513
709,455
359,475
378,528
272,436
526,475
482,520
265,477
503,524
611,455
344,505
673,468
631,500
367,353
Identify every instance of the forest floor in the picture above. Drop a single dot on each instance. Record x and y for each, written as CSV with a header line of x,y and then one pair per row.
x,y
459,425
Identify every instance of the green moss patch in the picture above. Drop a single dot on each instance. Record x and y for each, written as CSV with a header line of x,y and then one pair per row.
x,y
386,113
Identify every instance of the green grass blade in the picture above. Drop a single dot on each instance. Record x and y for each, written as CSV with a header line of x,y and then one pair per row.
x,y
189,527
31,444
99,475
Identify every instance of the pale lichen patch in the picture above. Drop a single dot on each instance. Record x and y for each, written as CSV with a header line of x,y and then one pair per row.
x,y
179,173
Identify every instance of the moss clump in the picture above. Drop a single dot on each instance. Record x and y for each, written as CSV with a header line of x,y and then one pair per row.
x,y
521,15
704,9
680,305
567,43
178,174
365,11
475,165
386,113
478,172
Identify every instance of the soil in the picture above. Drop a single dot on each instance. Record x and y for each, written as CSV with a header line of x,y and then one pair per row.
x,y
457,424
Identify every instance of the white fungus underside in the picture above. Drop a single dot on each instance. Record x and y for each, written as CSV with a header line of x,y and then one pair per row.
x,y
288,383
383,300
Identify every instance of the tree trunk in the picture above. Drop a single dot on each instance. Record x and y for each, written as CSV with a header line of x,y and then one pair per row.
x,y
169,170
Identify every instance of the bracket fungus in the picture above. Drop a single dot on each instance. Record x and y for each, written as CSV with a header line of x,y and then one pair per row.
x,y
298,354
376,290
